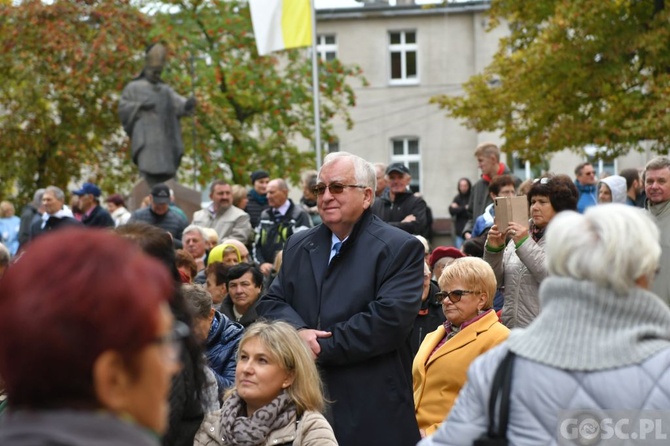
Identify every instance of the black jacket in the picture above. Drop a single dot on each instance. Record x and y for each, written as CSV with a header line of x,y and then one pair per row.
x,y
98,218
429,318
459,214
393,212
254,208
170,222
272,232
247,318
29,215
52,224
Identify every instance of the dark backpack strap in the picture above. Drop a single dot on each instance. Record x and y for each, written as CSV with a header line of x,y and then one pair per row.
x,y
500,397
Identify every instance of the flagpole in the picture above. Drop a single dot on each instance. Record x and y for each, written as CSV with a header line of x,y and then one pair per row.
x,y
315,90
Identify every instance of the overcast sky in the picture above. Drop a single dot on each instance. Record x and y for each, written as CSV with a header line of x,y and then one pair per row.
x,y
321,4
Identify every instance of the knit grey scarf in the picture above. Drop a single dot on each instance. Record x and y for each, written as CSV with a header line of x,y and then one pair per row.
x,y
238,429
585,327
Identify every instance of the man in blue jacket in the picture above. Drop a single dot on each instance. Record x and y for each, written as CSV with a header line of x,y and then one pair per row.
x,y
353,287
586,185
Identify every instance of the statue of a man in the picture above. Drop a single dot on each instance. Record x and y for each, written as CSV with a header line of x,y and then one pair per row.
x,y
149,111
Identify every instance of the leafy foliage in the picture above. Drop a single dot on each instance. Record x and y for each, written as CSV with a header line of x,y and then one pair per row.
x,y
251,110
62,66
573,73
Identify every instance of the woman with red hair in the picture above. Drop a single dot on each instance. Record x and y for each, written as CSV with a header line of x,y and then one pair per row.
x,y
88,345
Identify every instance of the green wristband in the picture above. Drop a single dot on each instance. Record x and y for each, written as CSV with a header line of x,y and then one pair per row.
x,y
490,248
517,245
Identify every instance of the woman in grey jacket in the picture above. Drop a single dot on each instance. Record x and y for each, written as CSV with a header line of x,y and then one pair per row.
x,y
596,362
277,399
520,266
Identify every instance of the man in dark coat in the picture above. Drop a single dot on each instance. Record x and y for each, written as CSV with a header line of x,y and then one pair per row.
x,y
257,196
398,206
277,223
30,213
56,215
160,214
353,287
93,214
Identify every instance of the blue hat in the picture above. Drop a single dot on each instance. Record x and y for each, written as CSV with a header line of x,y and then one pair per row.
x,y
88,188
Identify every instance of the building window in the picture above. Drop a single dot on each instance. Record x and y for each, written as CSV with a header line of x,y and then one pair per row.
x,y
403,52
331,147
406,151
326,47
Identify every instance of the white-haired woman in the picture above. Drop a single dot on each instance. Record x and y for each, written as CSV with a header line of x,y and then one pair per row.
x,y
601,342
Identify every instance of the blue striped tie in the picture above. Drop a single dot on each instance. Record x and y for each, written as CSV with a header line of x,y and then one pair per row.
x,y
336,248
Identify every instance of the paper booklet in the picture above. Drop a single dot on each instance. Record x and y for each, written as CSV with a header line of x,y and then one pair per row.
x,y
511,209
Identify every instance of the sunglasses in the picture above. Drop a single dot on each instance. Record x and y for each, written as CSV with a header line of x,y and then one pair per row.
x,y
334,188
454,296
544,180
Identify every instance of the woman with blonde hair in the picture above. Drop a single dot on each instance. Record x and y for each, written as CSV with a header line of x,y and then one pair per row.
x,y
597,355
277,398
440,366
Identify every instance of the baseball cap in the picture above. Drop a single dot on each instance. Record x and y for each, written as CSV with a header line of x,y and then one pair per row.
x,y
397,167
160,193
88,189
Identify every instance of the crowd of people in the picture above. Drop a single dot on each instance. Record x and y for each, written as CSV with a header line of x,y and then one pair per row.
x,y
263,321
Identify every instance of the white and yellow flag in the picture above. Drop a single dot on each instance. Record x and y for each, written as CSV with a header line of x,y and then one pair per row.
x,y
281,24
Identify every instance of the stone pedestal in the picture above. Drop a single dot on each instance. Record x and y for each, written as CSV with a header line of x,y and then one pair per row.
x,y
186,198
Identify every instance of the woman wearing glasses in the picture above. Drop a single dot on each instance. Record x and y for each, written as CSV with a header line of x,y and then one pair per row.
x,y
88,348
517,255
594,367
468,286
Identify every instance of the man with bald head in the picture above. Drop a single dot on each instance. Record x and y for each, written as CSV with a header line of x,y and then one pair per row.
x,y
277,223
353,287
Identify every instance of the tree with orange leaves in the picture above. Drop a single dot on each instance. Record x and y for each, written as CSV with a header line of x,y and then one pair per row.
x,y
63,66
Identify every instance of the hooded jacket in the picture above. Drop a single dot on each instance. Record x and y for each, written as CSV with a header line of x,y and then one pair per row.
x,y
617,186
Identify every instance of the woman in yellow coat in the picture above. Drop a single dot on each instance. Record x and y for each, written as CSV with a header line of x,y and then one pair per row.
x,y
472,327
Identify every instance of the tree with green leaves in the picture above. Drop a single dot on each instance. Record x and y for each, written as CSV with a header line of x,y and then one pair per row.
x,y
62,66
252,111
573,73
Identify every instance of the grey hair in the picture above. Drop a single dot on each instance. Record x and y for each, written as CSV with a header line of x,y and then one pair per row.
x,y
195,228
37,197
198,300
657,163
364,172
56,191
612,245
281,183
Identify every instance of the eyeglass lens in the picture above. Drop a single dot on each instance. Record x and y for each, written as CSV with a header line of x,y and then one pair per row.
x,y
334,188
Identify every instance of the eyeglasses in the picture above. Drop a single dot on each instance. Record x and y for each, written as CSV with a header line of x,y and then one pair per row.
x,y
589,173
334,188
454,296
173,341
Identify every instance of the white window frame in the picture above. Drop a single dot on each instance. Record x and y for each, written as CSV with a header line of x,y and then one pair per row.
x,y
403,48
406,158
323,48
